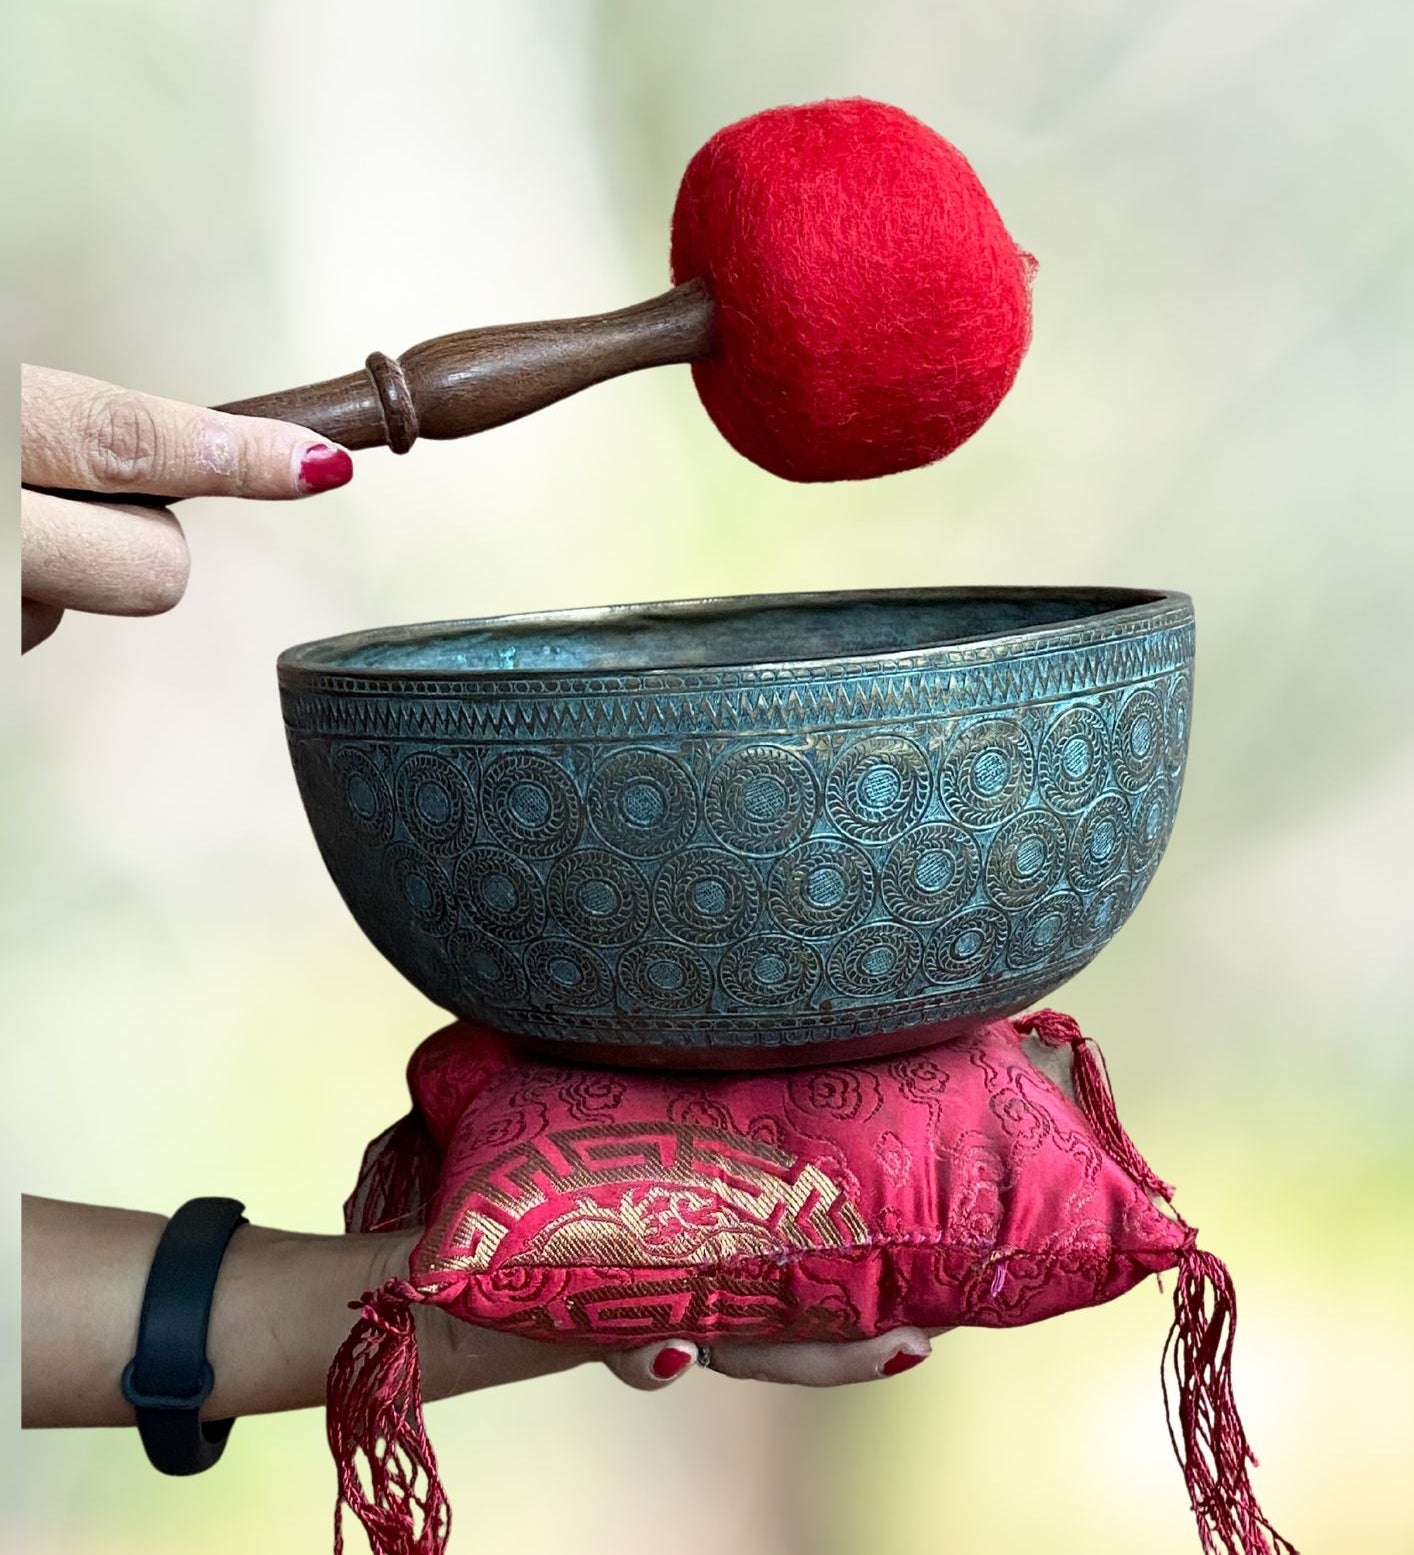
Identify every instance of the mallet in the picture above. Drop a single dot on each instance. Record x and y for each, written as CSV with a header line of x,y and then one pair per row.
x,y
846,291
871,308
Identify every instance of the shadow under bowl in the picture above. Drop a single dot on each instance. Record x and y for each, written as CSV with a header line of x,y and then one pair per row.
x,y
734,833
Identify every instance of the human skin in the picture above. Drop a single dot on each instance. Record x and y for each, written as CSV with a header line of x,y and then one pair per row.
x,y
281,1310
79,435
281,1305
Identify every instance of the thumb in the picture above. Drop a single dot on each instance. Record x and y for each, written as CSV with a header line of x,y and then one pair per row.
x,y
80,434
653,1366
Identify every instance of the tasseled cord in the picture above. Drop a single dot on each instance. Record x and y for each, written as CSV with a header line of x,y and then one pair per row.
x,y
387,1469
1196,1372
397,1178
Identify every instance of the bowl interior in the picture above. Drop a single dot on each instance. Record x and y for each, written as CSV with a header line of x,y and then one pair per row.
x,y
699,634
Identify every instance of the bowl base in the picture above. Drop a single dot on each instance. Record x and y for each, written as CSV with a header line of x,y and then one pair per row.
x,y
727,1057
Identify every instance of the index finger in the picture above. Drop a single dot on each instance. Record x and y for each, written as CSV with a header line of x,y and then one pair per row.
x,y
81,434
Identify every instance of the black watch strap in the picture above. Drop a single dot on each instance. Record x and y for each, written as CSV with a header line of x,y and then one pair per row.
x,y
169,1378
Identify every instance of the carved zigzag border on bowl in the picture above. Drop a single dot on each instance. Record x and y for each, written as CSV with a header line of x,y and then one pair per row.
x,y
947,682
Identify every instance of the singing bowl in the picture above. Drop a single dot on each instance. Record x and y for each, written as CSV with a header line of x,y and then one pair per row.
x,y
730,833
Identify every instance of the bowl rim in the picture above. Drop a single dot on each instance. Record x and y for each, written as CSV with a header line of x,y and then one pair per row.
x,y
331,656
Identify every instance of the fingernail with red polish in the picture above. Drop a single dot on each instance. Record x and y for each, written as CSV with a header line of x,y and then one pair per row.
x,y
670,1361
322,467
900,1360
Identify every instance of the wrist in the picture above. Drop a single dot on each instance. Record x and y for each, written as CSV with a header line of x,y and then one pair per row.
x,y
282,1308
389,1255
279,1311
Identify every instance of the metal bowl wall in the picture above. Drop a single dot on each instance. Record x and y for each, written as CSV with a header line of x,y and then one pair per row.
x,y
728,833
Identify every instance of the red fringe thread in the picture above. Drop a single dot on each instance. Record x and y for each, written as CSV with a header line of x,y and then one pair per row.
x,y
387,1469
1092,1091
1204,1426
396,1179
1210,1442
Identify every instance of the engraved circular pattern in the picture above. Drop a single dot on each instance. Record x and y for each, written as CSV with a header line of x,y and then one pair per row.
x,y
1139,739
930,873
502,894
1153,821
599,897
762,800
489,970
1074,757
770,971
435,803
1098,842
1026,859
420,885
707,896
878,788
821,889
965,946
875,962
1043,933
1107,909
988,772
586,753
643,803
531,805
365,792
1177,716
567,974
663,977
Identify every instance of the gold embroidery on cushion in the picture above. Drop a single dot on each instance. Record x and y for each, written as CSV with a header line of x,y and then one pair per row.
x,y
643,1196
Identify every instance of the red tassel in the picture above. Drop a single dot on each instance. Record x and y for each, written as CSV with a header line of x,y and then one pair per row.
x,y
375,1415
1093,1092
396,1179
1209,1440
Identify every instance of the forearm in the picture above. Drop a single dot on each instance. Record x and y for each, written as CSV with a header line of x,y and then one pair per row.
x,y
279,1312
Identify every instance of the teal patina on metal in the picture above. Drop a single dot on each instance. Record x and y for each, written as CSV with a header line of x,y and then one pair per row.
x,y
746,831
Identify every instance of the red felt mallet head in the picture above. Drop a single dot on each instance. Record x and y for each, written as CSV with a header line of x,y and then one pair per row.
x,y
871,308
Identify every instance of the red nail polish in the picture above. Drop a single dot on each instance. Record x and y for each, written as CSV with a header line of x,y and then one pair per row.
x,y
899,1361
668,1363
323,468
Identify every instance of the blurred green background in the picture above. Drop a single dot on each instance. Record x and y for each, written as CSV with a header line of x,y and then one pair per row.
x,y
218,199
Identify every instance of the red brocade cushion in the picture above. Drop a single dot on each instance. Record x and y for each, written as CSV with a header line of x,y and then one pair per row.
x,y
985,1181
957,1185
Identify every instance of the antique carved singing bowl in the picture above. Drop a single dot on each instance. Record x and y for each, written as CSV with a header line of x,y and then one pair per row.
x,y
737,832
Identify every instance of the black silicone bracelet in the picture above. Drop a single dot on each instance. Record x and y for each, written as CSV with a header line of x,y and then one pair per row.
x,y
169,1378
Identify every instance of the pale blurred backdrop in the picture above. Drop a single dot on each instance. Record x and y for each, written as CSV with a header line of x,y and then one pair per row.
x,y
218,199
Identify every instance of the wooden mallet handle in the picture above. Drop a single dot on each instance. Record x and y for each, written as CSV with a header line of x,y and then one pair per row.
x,y
464,383
459,384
